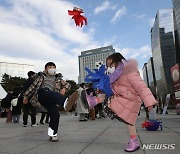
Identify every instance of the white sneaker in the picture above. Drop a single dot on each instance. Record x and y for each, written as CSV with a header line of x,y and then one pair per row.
x,y
51,132
34,125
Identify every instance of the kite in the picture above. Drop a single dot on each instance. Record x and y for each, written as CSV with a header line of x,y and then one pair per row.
x,y
78,18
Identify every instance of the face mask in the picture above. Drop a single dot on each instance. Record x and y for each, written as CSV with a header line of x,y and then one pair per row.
x,y
51,71
110,70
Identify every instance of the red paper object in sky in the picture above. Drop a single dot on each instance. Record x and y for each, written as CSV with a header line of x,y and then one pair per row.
x,y
78,18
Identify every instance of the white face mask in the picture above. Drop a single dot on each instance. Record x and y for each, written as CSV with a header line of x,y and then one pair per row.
x,y
51,71
110,70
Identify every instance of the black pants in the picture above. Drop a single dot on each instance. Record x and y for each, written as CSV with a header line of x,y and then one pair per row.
x,y
29,109
50,99
43,115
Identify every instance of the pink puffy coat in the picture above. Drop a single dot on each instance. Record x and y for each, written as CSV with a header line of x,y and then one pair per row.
x,y
129,90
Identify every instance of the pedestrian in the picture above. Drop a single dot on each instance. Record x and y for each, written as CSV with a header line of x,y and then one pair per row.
x,y
128,91
82,107
6,103
28,108
48,90
44,115
16,108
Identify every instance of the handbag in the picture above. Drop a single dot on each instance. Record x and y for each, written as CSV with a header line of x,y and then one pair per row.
x,y
14,102
92,100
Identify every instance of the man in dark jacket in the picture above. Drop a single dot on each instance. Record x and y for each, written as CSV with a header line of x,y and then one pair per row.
x,y
28,108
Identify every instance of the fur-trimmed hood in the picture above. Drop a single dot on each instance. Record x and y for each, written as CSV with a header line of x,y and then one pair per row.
x,y
130,66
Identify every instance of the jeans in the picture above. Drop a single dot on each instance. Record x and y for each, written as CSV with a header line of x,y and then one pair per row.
x,y
16,118
50,99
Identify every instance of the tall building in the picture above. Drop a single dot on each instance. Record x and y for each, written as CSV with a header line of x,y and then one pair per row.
x,y
163,50
15,69
176,8
91,60
151,75
145,74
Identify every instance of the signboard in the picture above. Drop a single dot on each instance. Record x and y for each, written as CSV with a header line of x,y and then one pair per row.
x,y
175,72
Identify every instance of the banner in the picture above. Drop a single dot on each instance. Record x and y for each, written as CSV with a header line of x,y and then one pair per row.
x,y
175,72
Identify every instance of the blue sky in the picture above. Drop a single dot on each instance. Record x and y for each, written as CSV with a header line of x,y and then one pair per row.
x,y
37,31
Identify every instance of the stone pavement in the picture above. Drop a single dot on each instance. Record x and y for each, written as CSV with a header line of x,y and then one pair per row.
x,y
102,136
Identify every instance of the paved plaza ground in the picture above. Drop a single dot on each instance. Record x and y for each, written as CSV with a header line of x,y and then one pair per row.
x,y
101,136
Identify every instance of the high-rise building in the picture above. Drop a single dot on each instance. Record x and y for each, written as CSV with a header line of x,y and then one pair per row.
x,y
145,74
163,50
91,60
176,8
15,69
151,75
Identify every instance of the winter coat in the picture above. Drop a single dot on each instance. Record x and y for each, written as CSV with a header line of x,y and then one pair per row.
x,y
6,102
31,92
16,110
82,105
129,91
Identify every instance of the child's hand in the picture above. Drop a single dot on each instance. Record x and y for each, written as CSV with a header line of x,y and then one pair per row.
x,y
150,107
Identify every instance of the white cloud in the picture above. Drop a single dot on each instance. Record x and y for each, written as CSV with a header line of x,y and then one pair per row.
x,y
103,7
139,16
36,32
139,53
111,41
114,7
119,14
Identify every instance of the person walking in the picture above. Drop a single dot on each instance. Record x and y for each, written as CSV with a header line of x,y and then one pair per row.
x,y
82,104
16,108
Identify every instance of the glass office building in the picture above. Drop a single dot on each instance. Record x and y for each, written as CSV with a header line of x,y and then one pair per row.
x,y
163,50
15,69
176,8
145,74
91,59
151,75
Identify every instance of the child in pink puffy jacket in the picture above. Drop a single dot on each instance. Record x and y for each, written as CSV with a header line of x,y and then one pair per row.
x,y
129,90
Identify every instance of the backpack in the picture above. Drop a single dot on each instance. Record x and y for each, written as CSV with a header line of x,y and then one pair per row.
x,y
152,125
